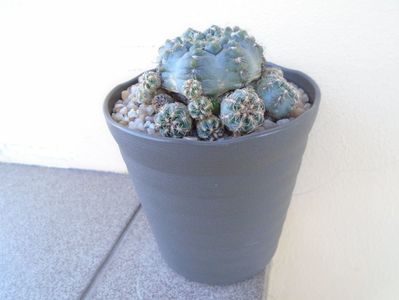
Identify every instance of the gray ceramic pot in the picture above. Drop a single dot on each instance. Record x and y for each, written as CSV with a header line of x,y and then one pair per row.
x,y
217,208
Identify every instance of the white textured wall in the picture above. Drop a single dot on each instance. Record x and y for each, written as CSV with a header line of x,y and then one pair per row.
x,y
58,61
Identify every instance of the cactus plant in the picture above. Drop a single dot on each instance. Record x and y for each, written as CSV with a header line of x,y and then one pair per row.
x,y
242,111
210,128
192,89
220,59
213,83
280,97
173,120
143,95
160,100
144,91
200,108
150,81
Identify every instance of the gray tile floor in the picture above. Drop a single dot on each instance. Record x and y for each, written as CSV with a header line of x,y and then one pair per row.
x,y
70,234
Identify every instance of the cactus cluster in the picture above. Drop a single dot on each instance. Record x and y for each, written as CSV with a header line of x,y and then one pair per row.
x,y
210,85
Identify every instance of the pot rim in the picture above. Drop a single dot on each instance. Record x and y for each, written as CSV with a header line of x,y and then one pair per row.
x,y
218,143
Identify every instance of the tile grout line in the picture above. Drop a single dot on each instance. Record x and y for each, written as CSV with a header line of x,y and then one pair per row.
x,y
89,287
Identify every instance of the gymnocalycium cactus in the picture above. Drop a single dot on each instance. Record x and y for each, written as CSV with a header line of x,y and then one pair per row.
x,y
200,108
160,100
192,89
210,128
279,96
220,59
210,85
242,111
173,120
149,83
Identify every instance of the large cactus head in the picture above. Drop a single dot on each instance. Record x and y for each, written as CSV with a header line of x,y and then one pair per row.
x,y
220,59
242,111
173,120
280,97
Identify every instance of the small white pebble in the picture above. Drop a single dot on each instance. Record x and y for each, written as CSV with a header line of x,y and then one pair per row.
x,y
123,110
148,124
131,98
283,121
190,138
149,118
131,105
118,107
140,126
269,124
124,94
150,110
151,130
304,98
117,117
137,124
132,114
297,111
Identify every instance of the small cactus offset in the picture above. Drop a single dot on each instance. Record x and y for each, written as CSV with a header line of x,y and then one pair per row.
x,y
221,59
210,129
160,100
242,111
200,108
280,97
150,81
144,95
173,120
192,89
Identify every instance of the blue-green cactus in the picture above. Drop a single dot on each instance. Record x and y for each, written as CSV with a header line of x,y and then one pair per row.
x,y
242,111
200,108
280,97
173,120
220,59
210,128
150,81
160,100
192,89
143,95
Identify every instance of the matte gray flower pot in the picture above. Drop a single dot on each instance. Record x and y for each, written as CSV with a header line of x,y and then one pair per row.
x,y
217,208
